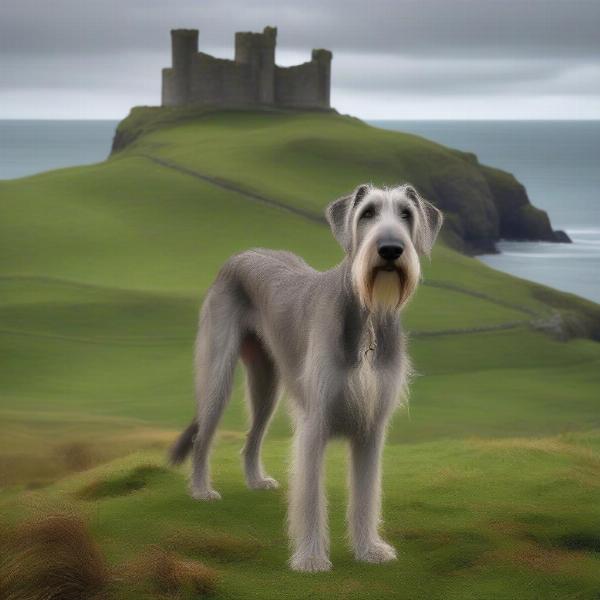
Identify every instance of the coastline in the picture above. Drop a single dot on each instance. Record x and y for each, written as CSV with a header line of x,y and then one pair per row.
x,y
573,268
568,267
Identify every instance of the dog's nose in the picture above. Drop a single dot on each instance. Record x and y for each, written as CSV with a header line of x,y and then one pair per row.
x,y
390,250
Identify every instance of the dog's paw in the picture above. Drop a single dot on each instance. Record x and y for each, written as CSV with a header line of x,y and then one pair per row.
x,y
378,552
204,494
309,563
265,483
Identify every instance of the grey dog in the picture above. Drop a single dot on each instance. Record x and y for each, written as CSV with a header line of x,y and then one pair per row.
x,y
334,340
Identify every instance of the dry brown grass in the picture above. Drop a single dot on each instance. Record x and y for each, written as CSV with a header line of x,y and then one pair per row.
x,y
76,456
220,546
34,456
168,573
548,445
39,466
29,469
52,557
535,557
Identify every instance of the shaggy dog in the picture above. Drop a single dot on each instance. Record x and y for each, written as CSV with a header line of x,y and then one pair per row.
x,y
334,340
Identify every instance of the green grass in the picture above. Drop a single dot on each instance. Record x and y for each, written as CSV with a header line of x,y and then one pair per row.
x,y
485,518
121,485
237,146
490,480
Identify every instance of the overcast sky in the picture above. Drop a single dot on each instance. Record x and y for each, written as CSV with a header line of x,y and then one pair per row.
x,y
404,59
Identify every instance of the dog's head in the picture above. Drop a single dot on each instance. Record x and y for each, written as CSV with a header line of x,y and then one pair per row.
x,y
384,231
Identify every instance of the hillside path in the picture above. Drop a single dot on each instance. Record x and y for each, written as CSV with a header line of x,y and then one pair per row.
x,y
316,218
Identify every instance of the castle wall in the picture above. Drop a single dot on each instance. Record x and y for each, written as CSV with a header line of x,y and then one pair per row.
x,y
323,59
296,86
184,46
168,97
251,79
222,82
306,85
258,51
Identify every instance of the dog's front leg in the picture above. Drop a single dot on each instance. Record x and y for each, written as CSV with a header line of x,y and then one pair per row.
x,y
364,512
308,506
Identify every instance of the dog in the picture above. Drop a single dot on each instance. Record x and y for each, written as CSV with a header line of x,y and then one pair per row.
x,y
334,340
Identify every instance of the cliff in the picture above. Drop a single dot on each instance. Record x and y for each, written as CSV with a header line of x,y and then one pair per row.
x,y
482,204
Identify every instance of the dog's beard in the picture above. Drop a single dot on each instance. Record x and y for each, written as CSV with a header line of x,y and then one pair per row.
x,y
385,290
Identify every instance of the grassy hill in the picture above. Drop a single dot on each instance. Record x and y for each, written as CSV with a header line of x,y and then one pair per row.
x,y
491,482
481,204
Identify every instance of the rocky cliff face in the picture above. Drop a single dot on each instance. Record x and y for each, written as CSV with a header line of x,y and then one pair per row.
x,y
484,205
518,219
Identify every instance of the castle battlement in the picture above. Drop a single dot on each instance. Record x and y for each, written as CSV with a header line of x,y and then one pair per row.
x,y
251,79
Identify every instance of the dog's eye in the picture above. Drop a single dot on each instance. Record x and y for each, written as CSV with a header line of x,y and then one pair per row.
x,y
406,214
369,213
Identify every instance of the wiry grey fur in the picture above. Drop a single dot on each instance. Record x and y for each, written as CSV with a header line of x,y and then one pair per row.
x,y
334,340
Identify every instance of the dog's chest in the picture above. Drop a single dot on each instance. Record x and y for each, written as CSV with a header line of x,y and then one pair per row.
x,y
370,377
363,392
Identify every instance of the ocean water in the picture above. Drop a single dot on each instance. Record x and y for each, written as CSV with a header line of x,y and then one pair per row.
x,y
557,161
28,147
559,164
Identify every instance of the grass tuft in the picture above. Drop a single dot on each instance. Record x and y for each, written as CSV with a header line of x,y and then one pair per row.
x,y
120,485
168,573
52,558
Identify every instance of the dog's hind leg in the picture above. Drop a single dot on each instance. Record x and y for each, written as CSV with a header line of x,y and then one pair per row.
x,y
261,390
217,351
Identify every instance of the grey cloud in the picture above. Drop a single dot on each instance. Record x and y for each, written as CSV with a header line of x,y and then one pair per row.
x,y
435,49
139,73
397,74
541,28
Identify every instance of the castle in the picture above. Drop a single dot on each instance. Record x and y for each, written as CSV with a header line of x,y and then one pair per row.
x,y
251,79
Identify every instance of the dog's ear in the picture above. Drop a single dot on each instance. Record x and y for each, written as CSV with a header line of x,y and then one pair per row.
x,y
338,216
429,223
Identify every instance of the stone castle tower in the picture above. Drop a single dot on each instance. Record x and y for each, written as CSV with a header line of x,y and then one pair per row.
x,y
251,79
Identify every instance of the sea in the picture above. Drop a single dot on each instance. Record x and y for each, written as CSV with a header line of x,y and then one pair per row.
x,y
29,147
559,164
557,161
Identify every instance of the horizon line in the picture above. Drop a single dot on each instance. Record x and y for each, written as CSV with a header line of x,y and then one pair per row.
x,y
378,119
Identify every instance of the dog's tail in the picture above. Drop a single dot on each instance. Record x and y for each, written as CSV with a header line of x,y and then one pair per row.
x,y
182,447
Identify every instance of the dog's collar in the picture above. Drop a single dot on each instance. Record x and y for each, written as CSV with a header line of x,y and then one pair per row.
x,y
370,345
